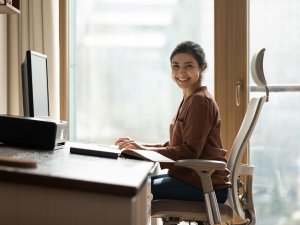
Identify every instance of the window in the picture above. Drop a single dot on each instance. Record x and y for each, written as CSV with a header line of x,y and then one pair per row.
x,y
120,71
275,153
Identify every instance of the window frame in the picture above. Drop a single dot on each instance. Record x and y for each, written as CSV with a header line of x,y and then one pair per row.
x,y
231,64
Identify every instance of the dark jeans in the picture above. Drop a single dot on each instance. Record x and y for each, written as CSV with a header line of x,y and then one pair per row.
x,y
165,187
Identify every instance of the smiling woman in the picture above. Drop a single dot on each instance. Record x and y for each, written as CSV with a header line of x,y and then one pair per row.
x,y
188,63
186,72
194,132
120,73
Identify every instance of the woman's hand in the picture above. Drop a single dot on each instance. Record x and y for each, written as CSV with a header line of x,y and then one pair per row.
x,y
128,143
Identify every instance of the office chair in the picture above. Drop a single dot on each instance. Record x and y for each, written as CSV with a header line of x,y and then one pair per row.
x,y
240,199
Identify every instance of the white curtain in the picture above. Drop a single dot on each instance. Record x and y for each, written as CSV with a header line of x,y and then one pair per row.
x,y
3,64
35,28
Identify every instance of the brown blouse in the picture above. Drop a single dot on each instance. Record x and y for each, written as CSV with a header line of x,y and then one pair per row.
x,y
195,134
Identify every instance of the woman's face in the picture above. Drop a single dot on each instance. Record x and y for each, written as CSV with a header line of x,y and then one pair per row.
x,y
186,71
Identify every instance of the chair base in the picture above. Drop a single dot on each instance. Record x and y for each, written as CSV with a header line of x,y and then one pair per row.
x,y
175,211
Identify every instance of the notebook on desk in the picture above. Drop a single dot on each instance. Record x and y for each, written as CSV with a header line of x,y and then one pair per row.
x,y
106,151
112,151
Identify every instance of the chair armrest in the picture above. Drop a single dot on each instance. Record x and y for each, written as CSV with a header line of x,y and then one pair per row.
x,y
204,169
246,169
201,164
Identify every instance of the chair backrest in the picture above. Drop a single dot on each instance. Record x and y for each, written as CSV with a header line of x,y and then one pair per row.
x,y
238,149
242,138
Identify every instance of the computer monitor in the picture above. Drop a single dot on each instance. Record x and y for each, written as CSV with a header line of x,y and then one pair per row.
x,y
35,85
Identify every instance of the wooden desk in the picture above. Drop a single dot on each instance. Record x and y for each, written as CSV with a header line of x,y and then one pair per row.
x,y
73,189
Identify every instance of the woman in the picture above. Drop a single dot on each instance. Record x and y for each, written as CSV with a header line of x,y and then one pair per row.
x,y
194,132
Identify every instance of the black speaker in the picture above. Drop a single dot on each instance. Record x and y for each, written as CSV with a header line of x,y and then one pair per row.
x,y
32,132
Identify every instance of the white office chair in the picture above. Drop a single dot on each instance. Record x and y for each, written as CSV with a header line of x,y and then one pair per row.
x,y
240,199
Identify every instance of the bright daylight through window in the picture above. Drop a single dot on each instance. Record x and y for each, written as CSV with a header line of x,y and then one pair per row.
x,y
120,70
274,25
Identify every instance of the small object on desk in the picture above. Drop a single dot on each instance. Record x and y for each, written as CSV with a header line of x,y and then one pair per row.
x,y
16,162
94,150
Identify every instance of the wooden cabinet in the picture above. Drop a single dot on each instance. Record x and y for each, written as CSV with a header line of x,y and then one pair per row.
x,y
9,6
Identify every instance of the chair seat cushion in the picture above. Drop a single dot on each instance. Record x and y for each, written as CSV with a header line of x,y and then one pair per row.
x,y
186,210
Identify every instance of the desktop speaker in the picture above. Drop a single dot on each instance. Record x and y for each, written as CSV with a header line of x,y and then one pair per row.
x,y
32,132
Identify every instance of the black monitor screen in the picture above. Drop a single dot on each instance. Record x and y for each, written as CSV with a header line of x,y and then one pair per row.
x,y
35,85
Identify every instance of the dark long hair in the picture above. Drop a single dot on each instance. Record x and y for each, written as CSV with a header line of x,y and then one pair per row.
x,y
193,49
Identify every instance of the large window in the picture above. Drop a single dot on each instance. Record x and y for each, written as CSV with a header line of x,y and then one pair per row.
x,y
275,148
120,71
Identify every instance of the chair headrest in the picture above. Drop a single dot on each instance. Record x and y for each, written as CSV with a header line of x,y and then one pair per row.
x,y
257,70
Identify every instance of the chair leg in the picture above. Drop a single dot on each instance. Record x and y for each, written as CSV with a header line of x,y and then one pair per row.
x,y
251,216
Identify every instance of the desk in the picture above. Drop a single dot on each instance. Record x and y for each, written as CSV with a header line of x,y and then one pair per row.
x,y
74,189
